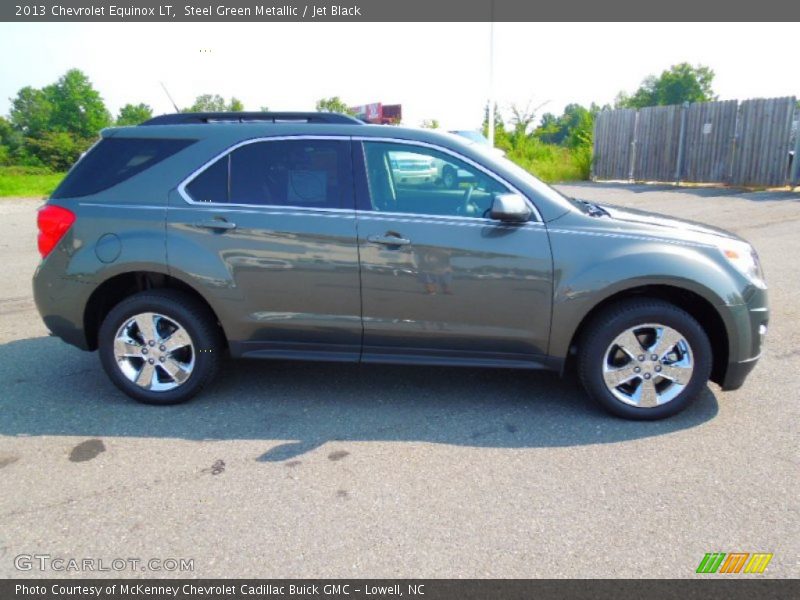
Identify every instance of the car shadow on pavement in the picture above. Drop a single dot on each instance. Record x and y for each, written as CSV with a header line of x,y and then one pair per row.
x,y
53,389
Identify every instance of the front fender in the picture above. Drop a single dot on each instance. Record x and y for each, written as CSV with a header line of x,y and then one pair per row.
x,y
619,265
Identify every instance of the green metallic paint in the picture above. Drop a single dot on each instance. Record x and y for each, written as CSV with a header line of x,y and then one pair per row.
x,y
301,284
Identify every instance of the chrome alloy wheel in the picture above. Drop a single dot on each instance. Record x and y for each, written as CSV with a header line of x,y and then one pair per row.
x,y
154,352
648,365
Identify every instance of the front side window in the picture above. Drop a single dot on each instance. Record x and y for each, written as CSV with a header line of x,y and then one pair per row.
x,y
298,173
405,178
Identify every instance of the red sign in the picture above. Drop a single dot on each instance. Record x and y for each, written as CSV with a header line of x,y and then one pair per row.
x,y
378,113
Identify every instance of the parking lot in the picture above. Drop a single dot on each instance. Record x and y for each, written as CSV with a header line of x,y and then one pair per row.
x,y
330,470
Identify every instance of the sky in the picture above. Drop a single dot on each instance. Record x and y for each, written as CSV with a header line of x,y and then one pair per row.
x,y
435,70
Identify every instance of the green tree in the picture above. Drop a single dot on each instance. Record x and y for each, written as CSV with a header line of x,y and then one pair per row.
x,y
9,141
77,107
333,104
522,118
52,126
498,119
31,112
215,103
678,84
573,128
134,114
429,124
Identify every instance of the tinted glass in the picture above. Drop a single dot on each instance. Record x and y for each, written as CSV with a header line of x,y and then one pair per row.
x,y
112,161
212,184
413,179
302,173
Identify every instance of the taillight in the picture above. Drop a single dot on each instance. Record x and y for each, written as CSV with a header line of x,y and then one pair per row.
x,y
53,222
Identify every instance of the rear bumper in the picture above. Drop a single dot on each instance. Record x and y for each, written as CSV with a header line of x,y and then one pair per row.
x,y
60,302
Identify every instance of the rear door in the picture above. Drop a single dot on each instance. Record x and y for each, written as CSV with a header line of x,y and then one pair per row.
x,y
267,233
442,282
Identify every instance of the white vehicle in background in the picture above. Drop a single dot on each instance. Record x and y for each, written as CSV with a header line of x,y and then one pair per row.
x,y
409,168
450,176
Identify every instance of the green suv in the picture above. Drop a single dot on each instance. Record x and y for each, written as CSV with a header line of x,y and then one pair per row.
x,y
289,236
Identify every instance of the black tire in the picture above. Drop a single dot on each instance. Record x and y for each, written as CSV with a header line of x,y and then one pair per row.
x,y
604,329
449,178
194,317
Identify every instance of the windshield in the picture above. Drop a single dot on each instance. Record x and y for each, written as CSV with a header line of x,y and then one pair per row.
x,y
539,186
474,136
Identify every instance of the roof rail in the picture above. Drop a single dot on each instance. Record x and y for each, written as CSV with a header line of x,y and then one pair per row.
x,y
192,118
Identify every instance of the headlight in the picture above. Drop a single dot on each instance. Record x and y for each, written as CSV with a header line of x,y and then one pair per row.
x,y
743,256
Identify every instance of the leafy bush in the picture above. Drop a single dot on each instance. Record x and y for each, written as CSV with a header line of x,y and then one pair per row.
x,y
549,162
58,150
560,149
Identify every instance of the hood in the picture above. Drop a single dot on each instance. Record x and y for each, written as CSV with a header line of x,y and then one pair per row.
x,y
642,222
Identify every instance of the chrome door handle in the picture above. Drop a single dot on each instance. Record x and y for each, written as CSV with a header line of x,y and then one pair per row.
x,y
388,240
221,224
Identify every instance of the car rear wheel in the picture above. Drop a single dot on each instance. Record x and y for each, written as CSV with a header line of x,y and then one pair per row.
x,y
644,359
160,346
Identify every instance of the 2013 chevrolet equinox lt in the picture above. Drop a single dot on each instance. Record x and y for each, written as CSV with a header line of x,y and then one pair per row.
x,y
288,235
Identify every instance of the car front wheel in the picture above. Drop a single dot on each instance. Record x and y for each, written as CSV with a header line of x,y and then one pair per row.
x,y
644,359
160,346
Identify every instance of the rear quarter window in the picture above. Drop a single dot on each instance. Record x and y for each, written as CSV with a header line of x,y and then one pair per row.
x,y
113,160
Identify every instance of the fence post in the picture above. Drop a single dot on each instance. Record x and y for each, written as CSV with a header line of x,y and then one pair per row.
x,y
737,137
681,143
595,137
794,176
633,146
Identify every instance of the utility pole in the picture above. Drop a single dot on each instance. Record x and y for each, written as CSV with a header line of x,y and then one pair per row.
x,y
491,74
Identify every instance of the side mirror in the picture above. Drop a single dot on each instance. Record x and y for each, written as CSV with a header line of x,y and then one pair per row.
x,y
510,207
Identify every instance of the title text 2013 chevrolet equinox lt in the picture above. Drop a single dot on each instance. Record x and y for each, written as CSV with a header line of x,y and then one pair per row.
x,y
288,235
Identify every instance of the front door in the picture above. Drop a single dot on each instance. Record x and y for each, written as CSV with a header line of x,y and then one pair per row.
x,y
442,282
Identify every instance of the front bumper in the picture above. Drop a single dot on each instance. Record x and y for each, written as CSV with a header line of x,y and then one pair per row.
x,y
415,177
737,372
747,328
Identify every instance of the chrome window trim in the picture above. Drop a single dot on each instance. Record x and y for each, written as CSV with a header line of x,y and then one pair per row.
x,y
187,180
189,200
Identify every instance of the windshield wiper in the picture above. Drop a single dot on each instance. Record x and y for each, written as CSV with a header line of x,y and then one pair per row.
x,y
592,209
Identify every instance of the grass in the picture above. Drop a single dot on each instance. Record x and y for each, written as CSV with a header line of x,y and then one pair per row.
x,y
553,163
25,182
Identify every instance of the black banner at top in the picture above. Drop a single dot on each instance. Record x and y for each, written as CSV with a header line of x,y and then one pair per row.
x,y
397,10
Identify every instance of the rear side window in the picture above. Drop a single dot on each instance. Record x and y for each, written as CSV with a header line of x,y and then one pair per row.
x,y
212,184
112,161
299,173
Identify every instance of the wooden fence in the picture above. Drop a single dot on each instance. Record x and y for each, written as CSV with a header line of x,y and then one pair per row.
x,y
747,143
